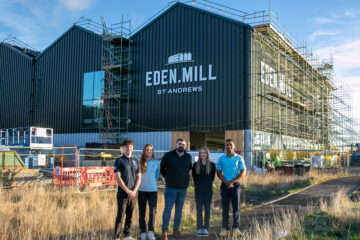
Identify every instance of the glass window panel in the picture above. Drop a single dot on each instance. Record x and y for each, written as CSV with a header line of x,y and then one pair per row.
x,y
98,80
92,87
88,90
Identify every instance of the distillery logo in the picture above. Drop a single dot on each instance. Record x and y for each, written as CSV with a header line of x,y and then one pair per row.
x,y
165,78
179,58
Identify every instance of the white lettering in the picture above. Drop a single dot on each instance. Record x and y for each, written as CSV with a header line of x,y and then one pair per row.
x,y
148,79
164,77
172,76
201,78
210,73
156,78
195,74
187,75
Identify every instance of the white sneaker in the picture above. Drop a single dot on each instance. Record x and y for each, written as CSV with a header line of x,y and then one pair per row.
x,y
205,233
151,235
199,233
237,232
143,236
128,238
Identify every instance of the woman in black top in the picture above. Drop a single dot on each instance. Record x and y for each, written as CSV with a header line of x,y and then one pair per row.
x,y
203,173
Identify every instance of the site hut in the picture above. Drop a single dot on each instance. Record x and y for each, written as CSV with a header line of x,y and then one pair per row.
x,y
189,72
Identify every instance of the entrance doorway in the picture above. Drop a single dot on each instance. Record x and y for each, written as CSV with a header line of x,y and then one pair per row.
x,y
213,140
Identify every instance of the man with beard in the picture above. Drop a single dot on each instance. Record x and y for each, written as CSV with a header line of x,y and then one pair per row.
x,y
175,167
230,169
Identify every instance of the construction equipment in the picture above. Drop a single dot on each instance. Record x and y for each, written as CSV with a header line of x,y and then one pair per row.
x,y
355,154
33,137
14,173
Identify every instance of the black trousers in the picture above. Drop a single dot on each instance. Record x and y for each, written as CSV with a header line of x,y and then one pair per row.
x,y
203,200
126,206
143,199
233,195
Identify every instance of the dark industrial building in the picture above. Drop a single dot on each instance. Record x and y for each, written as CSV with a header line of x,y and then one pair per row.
x,y
187,73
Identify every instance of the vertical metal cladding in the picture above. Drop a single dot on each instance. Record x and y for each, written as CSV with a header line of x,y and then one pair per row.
x,y
15,87
189,72
59,70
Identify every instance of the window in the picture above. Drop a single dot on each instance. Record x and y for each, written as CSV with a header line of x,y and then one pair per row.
x,y
91,101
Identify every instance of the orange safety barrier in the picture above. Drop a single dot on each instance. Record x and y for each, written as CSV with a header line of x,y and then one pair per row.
x,y
64,176
97,177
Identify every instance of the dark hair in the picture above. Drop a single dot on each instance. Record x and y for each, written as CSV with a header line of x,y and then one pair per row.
x,y
143,157
229,140
127,142
180,140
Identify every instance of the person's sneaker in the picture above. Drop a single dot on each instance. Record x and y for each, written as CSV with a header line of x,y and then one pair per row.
x,y
143,236
177,234
128,238
237,232
199,233
164,236
205,233
224,232
151,235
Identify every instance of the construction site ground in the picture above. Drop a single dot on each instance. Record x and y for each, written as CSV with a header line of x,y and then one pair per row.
x,y
295,202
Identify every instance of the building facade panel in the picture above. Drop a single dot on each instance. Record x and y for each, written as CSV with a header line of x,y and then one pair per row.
x,y
16,70
59,76
189,72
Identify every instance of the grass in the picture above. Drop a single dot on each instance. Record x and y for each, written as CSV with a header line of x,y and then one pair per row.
x,y
337,219
48,213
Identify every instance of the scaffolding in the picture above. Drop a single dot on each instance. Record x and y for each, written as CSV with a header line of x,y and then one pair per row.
x,y
298,107
113,113
21,46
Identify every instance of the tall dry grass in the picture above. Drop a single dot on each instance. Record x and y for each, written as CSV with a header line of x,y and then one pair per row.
x,y
272,180
47,213
335,218
44,213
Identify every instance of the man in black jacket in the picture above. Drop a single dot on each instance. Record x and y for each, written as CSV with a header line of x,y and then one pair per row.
x,y
175,167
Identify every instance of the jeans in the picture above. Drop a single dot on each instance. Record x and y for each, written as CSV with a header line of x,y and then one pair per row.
x,y
126,206
203,199
233,195
143,198
172,196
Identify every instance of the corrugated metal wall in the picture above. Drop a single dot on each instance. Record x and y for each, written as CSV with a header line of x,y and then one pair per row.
x,y
210,39
59,72
15,87
160,140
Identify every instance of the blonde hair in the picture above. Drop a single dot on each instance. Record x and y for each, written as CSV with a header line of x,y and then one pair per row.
x,y
198,163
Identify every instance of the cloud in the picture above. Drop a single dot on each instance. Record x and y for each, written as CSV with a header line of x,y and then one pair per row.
x,y
23,27
346,55
319,33
325,20
77,5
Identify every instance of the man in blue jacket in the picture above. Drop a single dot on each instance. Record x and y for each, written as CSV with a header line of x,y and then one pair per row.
x,y
230,169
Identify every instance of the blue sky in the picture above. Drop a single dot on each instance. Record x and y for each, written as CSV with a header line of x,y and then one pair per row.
x,y
329,27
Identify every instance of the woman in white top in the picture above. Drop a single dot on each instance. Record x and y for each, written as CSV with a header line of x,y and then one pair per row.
x,y
150,169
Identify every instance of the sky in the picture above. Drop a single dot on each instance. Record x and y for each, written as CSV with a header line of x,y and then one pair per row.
x,y
330,28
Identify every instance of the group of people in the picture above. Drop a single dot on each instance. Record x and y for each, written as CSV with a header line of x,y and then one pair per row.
x,y
138,180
